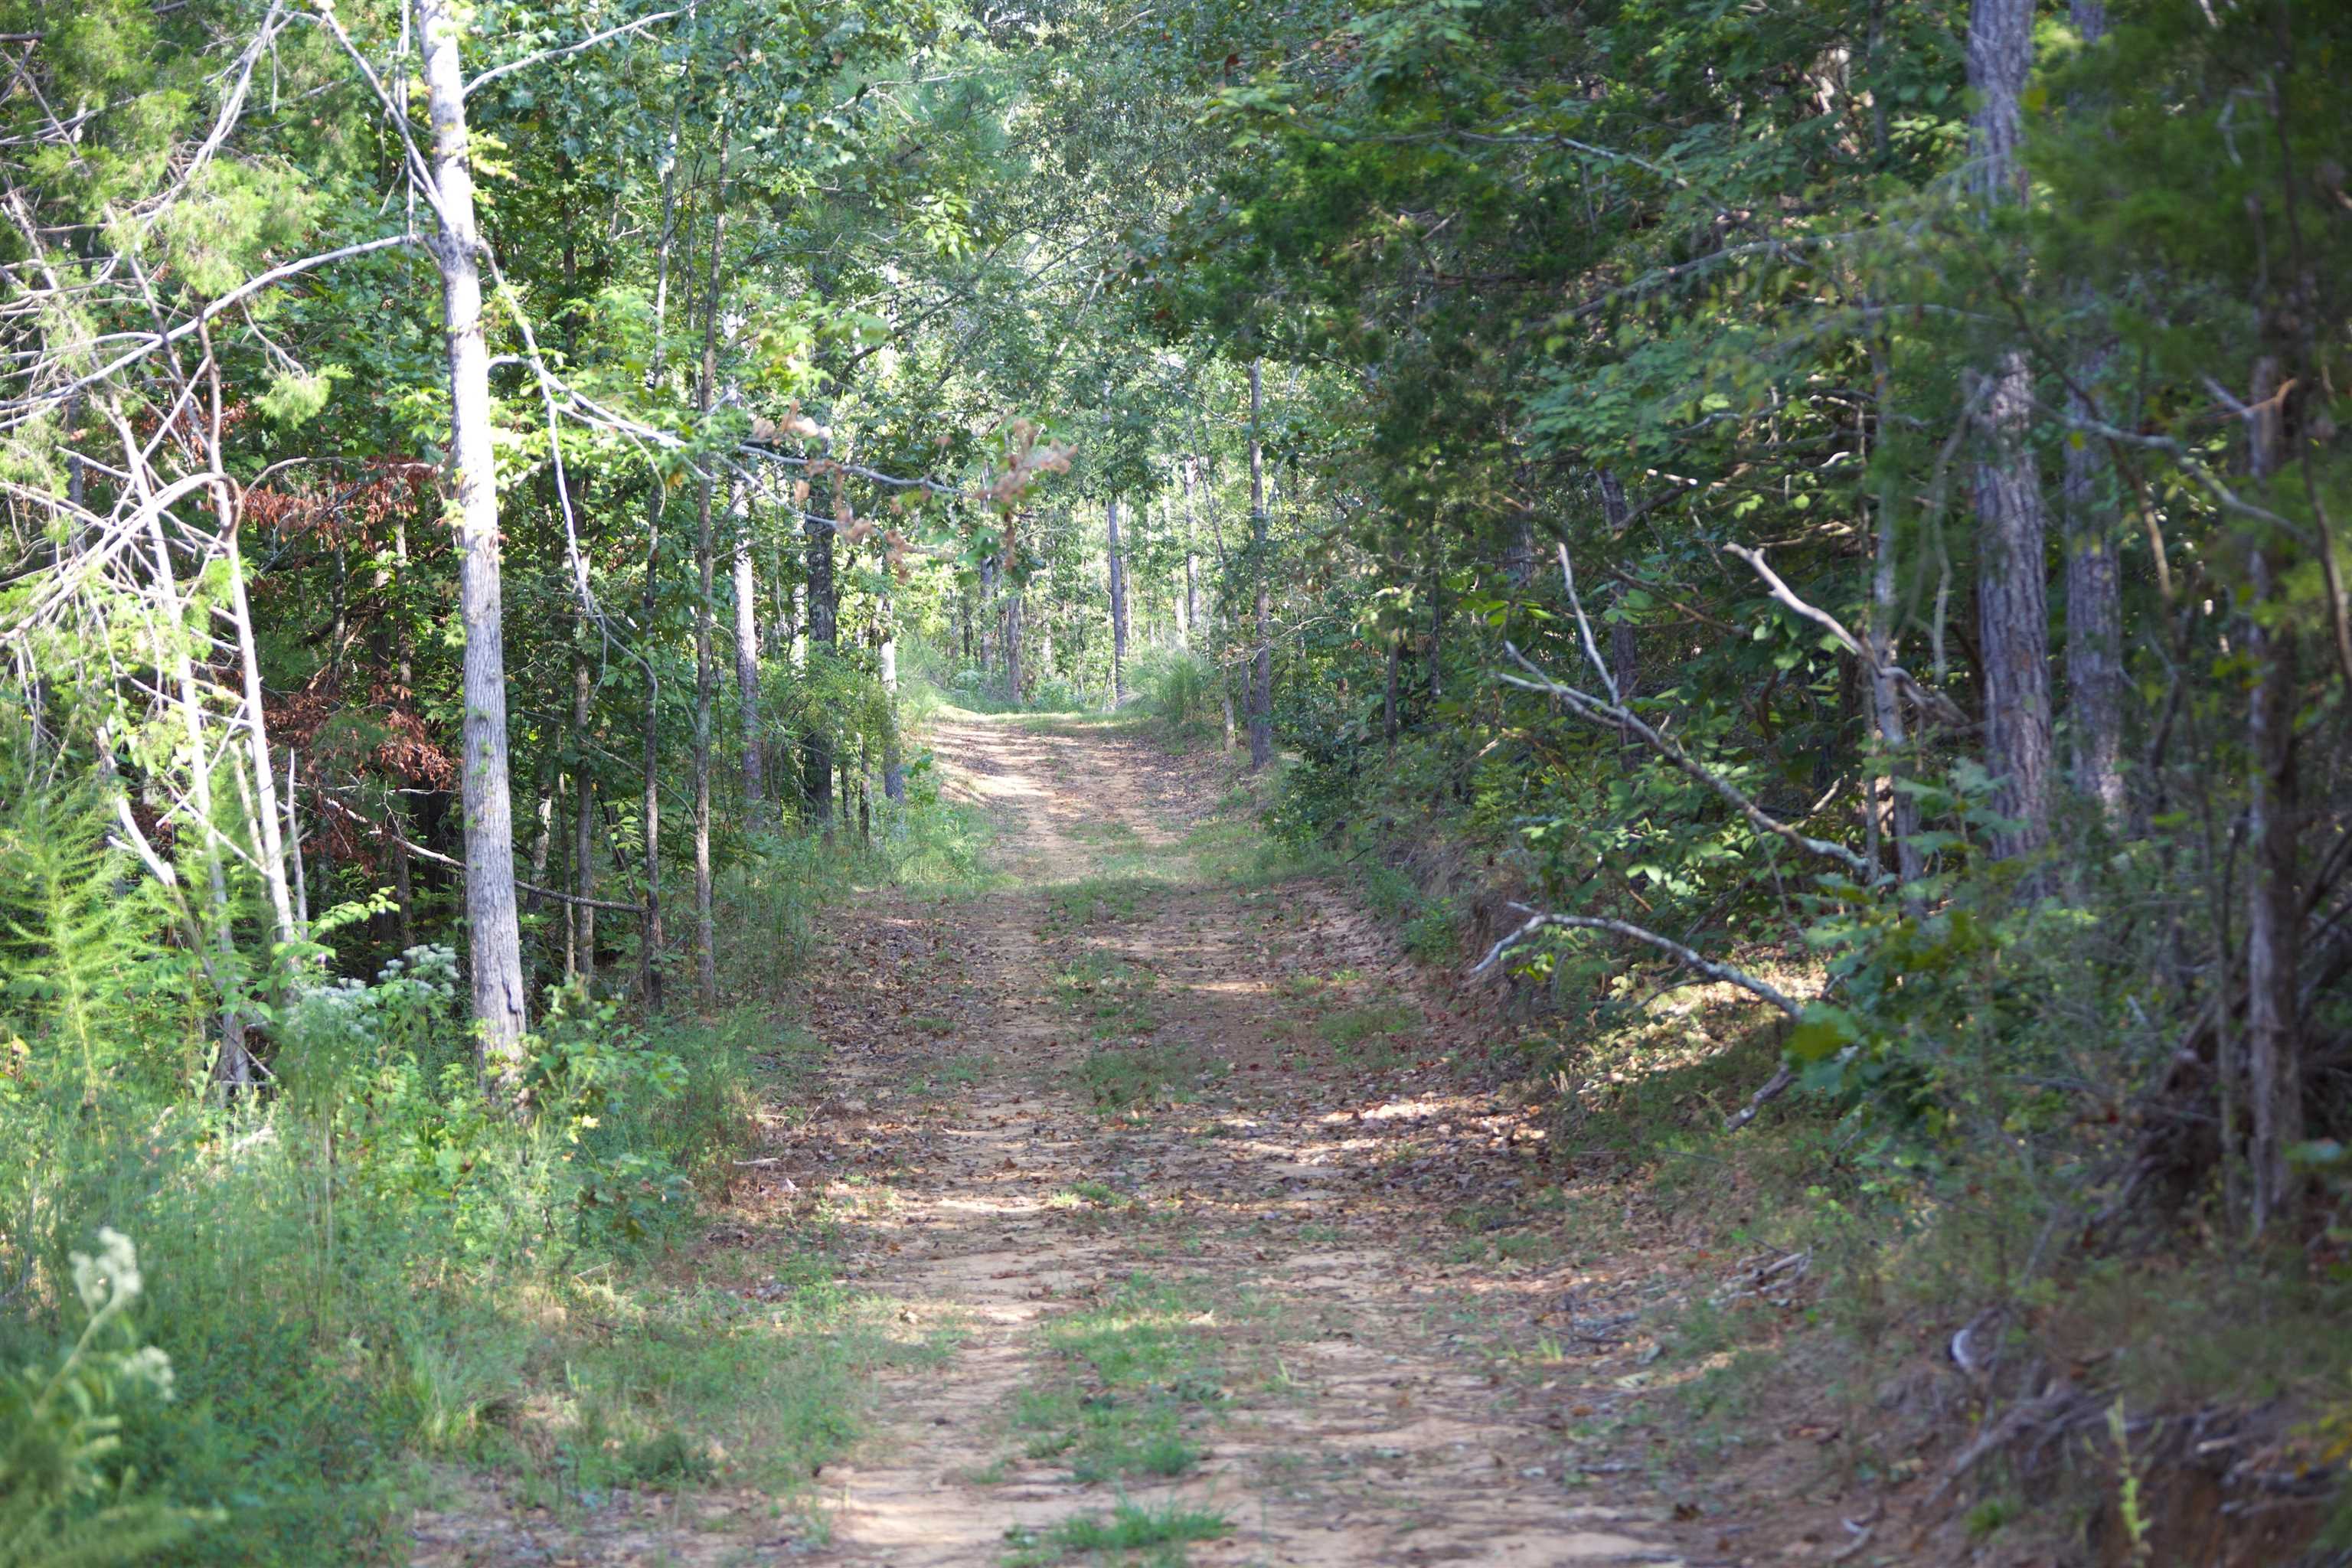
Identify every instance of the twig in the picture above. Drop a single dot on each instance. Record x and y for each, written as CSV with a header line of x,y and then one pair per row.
x,y
386,831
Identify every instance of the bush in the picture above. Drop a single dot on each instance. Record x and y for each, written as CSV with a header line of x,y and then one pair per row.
x,y
1180,690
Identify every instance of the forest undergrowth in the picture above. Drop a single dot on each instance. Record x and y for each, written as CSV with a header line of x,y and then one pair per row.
x,y
1922,1288
375,1290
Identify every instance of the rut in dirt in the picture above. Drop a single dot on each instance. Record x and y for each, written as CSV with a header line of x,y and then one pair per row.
x,y
1150,1127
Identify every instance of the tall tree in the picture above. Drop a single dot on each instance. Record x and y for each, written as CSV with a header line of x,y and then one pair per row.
x,y
1117,602
1261,687
493,931
2012,587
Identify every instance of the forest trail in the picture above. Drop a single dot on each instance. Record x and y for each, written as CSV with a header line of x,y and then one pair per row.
x,y
1148,1136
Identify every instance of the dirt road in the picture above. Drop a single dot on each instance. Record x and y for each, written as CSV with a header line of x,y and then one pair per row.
x,y
1166,1140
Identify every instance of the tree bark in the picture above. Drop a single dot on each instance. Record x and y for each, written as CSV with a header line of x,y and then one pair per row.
x,y
584,828
2012,593
494,933
706,668
233,1069
2095,607
1012,595
817,775
405,652
2273,1071
1118,606
1261,689
747,663
1624,647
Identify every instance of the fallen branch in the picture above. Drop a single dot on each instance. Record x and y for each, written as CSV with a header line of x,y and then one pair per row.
x,y
1935,703
1537,920
385,831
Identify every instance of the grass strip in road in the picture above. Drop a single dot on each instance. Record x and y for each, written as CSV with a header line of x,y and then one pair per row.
x,y
1148,1537
1130,1384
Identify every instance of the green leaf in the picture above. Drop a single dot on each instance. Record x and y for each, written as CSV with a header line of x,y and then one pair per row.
x,y
1822,1033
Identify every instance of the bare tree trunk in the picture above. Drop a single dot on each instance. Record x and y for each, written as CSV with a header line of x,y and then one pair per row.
x,y
1261,691
2094,609
1437,628
817,776
1118,606
1624,648
268,843
2274,1073
747,664
894,761
405,652
1013,599
583,825
651,940
2012,593
233,1069
1890,802
1389,698
2094,623
706,673
493,931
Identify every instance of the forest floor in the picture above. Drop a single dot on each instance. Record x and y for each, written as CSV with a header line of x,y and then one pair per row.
x,y
1157,1160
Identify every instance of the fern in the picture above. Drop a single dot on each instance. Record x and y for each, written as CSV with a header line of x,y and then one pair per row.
x,y
77,918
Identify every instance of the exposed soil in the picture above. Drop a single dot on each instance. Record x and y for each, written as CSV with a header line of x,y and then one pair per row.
x,y
1300,1171
1284,1179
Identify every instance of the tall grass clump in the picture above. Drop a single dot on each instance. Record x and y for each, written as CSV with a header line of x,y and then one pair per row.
x,y
1179,690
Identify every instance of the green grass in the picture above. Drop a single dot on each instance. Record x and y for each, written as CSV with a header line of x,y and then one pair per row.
x,y
1365,1037
1130,1382
1115,997
1129,1078
1098,900
1159,1534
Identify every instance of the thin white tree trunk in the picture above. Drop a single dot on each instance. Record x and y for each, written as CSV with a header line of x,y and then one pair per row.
x,y
747,661
493,931
705,675
233,1070
1118,606
1261,686
583,825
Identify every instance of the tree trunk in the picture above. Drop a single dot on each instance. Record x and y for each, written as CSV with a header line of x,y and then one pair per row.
x,y
817,775
1013,600
706,566
494,933
2094,609
652,940
2274,1073
1261,689
404,651
268,842
747,663
1118,606
1624,647
233,1069
583,825
2013,594
1389,698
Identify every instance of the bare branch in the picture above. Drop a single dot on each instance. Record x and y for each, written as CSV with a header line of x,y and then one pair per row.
x,y
1539,920
1612,715
1935,701
589,42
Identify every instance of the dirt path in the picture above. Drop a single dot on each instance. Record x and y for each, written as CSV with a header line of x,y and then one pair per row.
x,y
1167,1142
